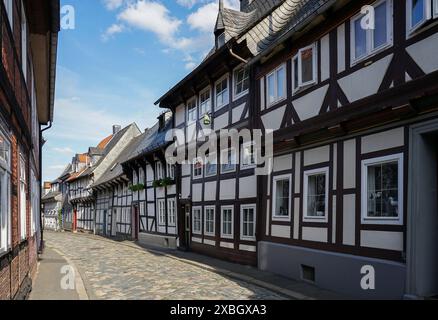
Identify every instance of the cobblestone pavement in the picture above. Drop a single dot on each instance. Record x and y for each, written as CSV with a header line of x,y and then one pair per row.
x,y
113,271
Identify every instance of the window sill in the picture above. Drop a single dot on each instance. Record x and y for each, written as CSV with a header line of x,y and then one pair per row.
x,y
225,237
382,221
281,218
316,220
276,102
248,167
219,108
240,95
252,239
367,59
303,88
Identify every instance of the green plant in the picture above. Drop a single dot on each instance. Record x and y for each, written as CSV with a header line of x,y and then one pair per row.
x,y
137,187
163,183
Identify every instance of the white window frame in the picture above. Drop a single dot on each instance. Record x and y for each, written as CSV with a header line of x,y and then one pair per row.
x,y
194,231
248,238
210,234
206,104
307,174
214,158
10,12
159,170
223,234
161,204
221,40
23,185
364,201
170,171
435,9
192,111
427,14
243,164
195,177
5,196
237,96
233,155
216,94
24,40
274,73
171,209
275,216
298,86
370,50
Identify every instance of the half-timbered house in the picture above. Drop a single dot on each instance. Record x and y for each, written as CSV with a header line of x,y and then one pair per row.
x,y
51,203
353,110
154,187
28,40
97,162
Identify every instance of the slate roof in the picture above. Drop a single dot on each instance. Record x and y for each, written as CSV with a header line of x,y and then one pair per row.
x,y
150,141
50,196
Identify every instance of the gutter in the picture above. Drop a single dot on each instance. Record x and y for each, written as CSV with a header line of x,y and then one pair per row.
x,y
41,245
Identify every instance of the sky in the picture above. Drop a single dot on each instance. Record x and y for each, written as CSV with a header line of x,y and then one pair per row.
x,y
119,59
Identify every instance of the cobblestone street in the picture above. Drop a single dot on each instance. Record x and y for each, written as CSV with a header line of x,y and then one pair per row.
x,y
112,270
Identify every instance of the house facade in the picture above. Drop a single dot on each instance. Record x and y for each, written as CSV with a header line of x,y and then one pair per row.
x,y
353,116
29,32
51,202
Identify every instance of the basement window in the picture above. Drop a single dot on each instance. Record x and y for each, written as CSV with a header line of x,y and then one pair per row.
x,y
308,273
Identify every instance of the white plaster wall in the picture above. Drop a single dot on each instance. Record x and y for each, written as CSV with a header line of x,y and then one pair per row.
x,y
309,105
349,223
383,140
228,189
248,187
350,164
283,163
317,155
315,234
382,240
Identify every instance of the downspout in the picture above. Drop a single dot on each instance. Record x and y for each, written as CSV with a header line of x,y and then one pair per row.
x,y
41,246
237,56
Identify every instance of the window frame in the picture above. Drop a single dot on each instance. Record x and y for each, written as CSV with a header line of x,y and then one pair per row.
x,y
206,233
23,186
307,174
243,165
193,110
161,218
24,40
243,237
237,96
274,73
224,235
217,107
159,170
399,157
296,87
206,102
9,6
206,174
275,216
435,9
196,177
170,171
194,231
369,34
171,209
233,154
427,14
5,198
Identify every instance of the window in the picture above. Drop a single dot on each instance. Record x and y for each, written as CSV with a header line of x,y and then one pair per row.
x,y
365,42
248,223
221,40
316,195
5,182
211,165
198,168
227,225
159,171
276,83
222,96
172,212
23,41
435,8
23,198
161,212
192,111
9,11
382,190
282,197
241,82
248,155
35,203
304,66
197,223
204,103
228,161
418,12
170,171
209,221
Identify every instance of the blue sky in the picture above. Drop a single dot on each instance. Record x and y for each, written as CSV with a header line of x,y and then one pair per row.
x,y
120,58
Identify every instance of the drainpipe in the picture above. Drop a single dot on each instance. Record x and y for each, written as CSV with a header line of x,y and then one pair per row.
x,y
237,56
41,246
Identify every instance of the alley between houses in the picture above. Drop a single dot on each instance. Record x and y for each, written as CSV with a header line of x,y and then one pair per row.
x,y
114,271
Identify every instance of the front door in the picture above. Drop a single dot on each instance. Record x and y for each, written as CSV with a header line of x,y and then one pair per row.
x,y
75,220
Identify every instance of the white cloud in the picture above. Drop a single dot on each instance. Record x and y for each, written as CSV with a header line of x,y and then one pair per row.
x,y
65,150
204,18
113,4
111,31
188,3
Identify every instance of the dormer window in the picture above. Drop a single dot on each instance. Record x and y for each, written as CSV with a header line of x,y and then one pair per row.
x,y
221,40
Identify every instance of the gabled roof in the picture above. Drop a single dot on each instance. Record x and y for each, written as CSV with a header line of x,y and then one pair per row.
x,y
50,196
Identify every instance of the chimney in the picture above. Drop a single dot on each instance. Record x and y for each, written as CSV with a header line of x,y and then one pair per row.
x,y
116,129
47,186
221,5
